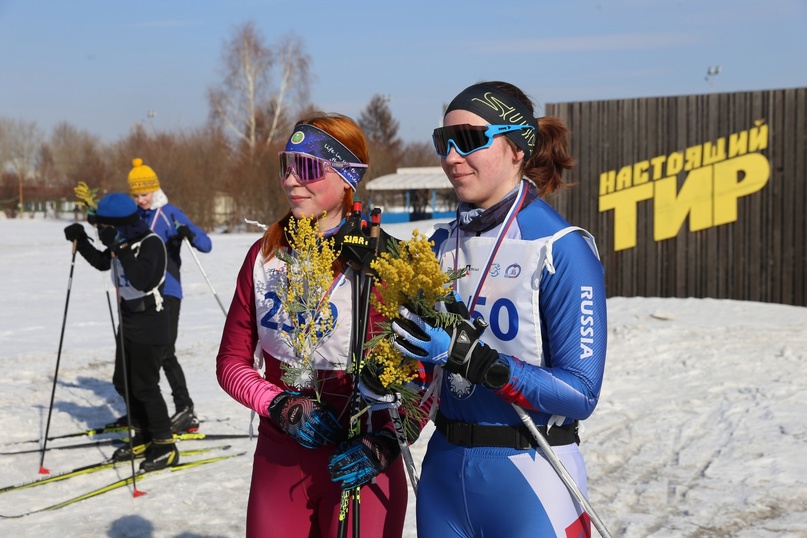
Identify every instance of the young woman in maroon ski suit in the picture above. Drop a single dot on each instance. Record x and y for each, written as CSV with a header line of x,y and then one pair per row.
x,y
293,494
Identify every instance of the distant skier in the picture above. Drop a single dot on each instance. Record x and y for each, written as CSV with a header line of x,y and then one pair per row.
x,y
140,257
171,224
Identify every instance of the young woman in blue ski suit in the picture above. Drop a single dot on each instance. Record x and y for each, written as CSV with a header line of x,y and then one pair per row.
x,y
171,224
538,284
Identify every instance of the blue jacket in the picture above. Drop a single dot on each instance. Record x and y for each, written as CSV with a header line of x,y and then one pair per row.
x,y
164,218
573,330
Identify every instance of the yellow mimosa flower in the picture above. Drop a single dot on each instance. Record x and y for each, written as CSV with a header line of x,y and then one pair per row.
x,y
306,297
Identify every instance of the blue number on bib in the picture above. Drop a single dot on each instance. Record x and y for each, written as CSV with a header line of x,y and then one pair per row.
x,y
508,332
496,319
334,317
123,280
266,320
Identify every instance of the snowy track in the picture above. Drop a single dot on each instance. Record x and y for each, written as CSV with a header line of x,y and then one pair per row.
x,y
700,431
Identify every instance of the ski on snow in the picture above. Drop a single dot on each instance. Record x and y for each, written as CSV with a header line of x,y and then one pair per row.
x,y
95,467
118,440
140,475
92,432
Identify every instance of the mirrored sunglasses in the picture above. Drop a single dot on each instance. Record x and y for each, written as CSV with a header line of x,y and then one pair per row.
x,y
469,138
308,168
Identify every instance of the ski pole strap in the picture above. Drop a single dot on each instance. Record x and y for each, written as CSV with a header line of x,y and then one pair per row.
x,y
518,437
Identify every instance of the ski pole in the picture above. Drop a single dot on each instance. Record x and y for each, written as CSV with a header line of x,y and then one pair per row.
x,y
564,475
364,316
114,262
348,502
202,269
199,264
406,453
361,318
42,469
391,402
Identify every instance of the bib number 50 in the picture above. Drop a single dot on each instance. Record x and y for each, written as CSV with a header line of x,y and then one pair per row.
x,y
502,316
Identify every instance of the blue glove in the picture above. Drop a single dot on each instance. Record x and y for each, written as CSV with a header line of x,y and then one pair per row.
x,y
360,459
312,423
458,348
417,339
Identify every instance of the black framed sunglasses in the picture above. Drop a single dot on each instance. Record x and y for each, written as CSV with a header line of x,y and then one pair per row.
x,y
469,138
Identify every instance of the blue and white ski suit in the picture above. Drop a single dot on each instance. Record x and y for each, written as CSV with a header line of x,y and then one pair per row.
x,y
539,284
164,218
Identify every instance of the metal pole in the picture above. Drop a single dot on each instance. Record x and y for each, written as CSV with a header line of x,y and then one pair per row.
x,y
198,263
349,500
42,469
564,475
135,492
406,453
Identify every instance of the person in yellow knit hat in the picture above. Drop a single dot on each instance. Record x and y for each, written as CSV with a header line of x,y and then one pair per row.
x,y
174,227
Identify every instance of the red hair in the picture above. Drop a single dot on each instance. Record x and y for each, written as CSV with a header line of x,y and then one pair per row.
x,y
351,136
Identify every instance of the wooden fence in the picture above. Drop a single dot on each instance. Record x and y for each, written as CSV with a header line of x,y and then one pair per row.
x,y
694,196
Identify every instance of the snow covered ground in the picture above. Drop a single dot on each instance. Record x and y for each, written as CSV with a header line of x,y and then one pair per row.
x,y
700,430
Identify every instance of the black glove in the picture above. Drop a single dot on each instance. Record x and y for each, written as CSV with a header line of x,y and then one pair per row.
x,y
311,423
75,232
355,244
377,396
457,348
369,378
352,242
472,358
183,232
374,393
360,459
110,237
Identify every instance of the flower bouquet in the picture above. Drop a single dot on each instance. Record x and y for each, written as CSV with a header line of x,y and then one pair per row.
x,y
407,273
306,298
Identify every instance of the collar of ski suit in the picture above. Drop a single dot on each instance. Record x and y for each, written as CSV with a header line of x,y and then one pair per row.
x,y
472,219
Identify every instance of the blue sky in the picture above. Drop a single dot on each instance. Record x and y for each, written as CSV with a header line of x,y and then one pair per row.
x,y
103,65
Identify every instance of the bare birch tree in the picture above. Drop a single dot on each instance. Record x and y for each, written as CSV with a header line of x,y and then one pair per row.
x,y
259,85
293,84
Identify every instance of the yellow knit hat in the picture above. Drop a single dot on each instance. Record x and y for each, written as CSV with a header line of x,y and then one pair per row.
x,y
142,178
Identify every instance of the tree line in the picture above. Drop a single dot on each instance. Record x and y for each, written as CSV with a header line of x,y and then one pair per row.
x,y
219,173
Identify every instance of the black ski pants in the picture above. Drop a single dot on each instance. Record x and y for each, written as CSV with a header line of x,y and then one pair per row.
x,y
171,367
146,406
